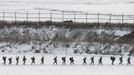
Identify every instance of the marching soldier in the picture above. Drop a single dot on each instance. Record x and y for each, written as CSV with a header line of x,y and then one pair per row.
x,y
10,60
55,60
100,61
121,60
24,60
128,61
92,60
42,60
33,60
85,61
4,60
17,60
71,60
112,59
64,60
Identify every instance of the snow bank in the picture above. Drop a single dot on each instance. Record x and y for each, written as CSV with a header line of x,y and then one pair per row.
x,y
62,41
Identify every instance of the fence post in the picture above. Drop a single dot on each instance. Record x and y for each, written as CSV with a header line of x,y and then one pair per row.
x,y
110,15
27,15
122,18
3,16
74,16
98,17
51,15
63,16
39,18
86,17
15,17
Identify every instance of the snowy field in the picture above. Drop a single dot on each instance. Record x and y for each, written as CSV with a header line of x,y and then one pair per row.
x,y
91,6
66,70
77,69
115,7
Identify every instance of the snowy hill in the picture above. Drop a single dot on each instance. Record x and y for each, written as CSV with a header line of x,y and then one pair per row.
x,y
46,40
91,6
54,40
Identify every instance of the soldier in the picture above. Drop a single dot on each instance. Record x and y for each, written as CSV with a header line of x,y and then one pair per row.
x,y
10,60
92,60
24,60
17,60
33,60
64,60
42,60
112,59
71,60
85,61
55,60
4,60
100,61
121,60
128,61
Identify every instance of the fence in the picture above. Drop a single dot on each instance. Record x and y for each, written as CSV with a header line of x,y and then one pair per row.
x,y
60,16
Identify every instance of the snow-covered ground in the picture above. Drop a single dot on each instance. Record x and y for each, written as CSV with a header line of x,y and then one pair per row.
x,y
77,69
67,70
91,6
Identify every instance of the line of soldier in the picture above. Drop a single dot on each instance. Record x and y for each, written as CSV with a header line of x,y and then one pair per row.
x,y
71,59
